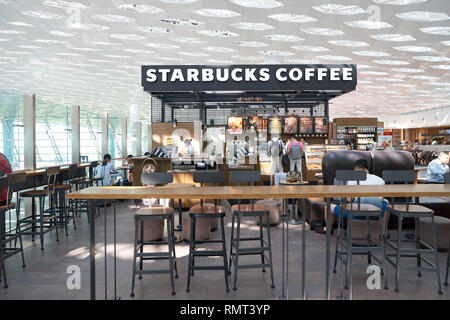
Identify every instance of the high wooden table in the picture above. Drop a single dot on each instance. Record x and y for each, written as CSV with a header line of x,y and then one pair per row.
x,y
256,192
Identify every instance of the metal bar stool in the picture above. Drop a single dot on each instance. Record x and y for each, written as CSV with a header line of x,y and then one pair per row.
x,y
406,210
241,211
447,181
43,221
207,212
154,213
345,247
85,182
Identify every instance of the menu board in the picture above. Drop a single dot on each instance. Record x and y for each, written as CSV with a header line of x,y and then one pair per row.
x,y
320,125
290,125
306,125
275,125
235,125
257,123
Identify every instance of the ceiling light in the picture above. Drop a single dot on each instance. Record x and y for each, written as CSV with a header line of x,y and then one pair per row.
x,y
414,49
43,15
4,39
248,58
404,85
323,31
153,29
87,27
431,58
296,18
140,8
62,34
310,48
193,54
349,43
407,70
182,22
284,37
19,23
51,41
218,33
301,61
368,24
368,53
64,4
105,43
276,53
249,44
127,36
399,2
260,4
161,45
336,58
179,1
217,13
424,78
422,16
215,61
340,9
374,73
219,49
391,62
187,40
113,18
393,37
444,31
252,26
11,32
363,66
446,43
390,79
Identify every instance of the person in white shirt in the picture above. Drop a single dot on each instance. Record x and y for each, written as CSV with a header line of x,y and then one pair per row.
x,y
371,180
105,171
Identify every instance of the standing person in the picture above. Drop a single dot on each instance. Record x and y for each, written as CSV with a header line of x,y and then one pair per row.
x,y
437,168
105,171
275,149
295,151
5,168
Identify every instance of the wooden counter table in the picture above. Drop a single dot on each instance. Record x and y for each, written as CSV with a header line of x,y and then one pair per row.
x,y
256,192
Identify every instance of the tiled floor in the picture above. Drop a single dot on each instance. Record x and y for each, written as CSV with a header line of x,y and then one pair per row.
x,y
45,275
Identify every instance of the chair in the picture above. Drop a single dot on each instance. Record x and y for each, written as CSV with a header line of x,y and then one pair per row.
x,y
85,182
148,214
207,213
345,239
241,211
43,221
406,210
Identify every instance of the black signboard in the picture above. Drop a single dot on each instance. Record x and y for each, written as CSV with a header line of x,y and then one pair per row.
x,y
269,78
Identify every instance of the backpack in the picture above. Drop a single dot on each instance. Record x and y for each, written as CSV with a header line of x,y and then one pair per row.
x,y
274,146
296,151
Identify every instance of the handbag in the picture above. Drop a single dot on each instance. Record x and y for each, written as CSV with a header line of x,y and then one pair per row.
x,y
284,160
293,176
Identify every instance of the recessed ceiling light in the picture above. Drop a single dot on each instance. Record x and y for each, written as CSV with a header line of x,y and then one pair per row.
x,y
399,2
217,13
424,78
11,32
193,54
422,16
218,49
161,45
182,22
323,31
276,53
216,61
249,44
68,54
336,58
391,62
404,85
431,58
407,70
83,49
43,15
105,43
169,58
393,37
261,4
218,33
300,61
64,4
284,37
179,1
62,34
252,26
390,79
140,8
153,29
113,18
374,73
4,39
51,41
296,18
368,24
363,66
30,47
248,58
127,36
310,48
444,31
19,23
187,40
414,49
349,43
87,27
368,53
340,9
446,43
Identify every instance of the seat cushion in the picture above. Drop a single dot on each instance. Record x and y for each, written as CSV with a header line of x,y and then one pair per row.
x,y
208,209
60,186
363,207
251,207
412,208
154,211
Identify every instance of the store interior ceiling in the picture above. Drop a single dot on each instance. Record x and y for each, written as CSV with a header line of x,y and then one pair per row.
x,y
89,52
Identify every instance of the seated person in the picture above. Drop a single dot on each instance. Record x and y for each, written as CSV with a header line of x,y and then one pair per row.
x,y
105,172
371,180
126,162
5,168
437,168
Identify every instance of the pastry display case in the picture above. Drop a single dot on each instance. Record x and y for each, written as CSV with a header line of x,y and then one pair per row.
x,y
313,158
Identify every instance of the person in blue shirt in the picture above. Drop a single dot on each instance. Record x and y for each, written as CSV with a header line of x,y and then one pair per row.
x,y
437,168
105,171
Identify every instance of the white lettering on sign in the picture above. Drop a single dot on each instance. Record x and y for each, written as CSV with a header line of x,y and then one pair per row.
x,y
309,72
177,75
347,74
192,75
164,73
207,74
295,74
321,73
223,75
334,74
234,74
250,74
264,74
151,75
279,76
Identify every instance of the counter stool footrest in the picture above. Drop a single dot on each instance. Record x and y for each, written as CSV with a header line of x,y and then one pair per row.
x,y
208,253
253,266
152,271
208,268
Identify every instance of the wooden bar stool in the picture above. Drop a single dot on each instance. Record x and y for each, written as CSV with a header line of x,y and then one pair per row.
x,y
45,222
241,211
148,214
406,210
207,213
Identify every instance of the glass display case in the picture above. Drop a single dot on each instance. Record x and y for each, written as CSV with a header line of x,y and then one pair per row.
x,y
313,157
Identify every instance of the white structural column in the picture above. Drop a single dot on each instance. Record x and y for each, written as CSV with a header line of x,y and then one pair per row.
x,y
76,134
105,128
148,127
138,141
29,130
124,137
